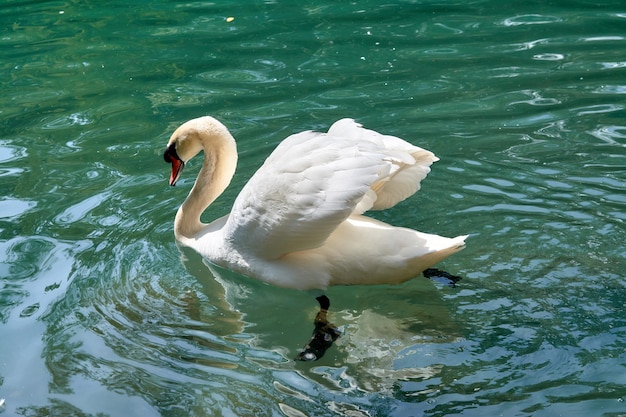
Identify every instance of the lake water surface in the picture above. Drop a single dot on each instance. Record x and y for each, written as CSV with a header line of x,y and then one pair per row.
x,y
101,314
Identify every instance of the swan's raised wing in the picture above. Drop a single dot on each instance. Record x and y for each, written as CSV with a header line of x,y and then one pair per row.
x,y
313,181
408,165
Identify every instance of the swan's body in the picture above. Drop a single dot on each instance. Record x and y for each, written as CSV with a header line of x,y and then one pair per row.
x,y
298,222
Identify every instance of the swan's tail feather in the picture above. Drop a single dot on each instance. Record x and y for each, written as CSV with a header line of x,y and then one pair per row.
x,y
459,242
436,243
439,249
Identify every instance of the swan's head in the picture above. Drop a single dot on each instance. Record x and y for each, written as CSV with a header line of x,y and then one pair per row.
x,y
185,143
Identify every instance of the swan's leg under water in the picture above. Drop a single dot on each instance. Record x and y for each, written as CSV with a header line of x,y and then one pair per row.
x,y
324,334
442,277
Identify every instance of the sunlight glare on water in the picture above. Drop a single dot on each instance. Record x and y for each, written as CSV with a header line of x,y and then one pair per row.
x,y
102,314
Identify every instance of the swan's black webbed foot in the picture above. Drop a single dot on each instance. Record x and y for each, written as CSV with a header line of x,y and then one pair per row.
x,y
324,334
442,276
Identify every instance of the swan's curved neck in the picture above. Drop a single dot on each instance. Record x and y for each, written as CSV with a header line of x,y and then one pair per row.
x,y
218,168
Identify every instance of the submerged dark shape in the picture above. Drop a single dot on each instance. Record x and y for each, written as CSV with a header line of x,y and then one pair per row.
x,y
324,334
442,277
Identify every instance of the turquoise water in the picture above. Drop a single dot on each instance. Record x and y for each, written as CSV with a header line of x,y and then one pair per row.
x,y
101,314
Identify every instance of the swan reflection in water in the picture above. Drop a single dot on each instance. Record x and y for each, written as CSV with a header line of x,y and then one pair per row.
x,y
298,223
377,347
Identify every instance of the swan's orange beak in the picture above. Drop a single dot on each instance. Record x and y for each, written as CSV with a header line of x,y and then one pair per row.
x,y
178,164
177,169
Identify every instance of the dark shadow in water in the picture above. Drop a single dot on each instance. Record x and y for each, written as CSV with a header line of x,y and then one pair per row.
x,y
324,334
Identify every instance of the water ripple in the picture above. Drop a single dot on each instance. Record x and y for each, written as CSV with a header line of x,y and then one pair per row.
x,y
531,19
106,316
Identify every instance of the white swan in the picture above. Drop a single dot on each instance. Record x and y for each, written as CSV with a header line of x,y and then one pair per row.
x,y
298,222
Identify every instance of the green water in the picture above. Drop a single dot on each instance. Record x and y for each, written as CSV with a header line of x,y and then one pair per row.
x,y
524,102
